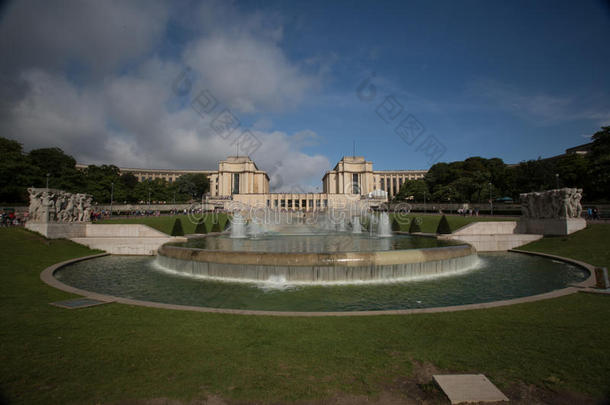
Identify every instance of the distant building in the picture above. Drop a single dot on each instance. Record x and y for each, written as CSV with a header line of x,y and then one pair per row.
x,y
239,179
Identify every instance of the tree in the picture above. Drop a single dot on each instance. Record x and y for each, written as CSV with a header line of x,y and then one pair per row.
x,y
195,185
16,172
201,227
60,167
443,226
413,189
414,227
599,169
216,227
99,180
177,229
445,193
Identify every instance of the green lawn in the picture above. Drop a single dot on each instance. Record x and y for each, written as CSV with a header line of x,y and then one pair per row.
x,y
591,245
429,223
117,352
166,223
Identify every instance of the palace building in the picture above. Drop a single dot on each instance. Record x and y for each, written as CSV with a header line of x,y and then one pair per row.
x,y
239,180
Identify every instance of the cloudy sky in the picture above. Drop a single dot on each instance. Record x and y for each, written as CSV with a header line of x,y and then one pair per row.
x,y
295,85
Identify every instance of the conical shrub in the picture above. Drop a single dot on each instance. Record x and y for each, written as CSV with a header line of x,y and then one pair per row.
x,y
177,229
227,224
443,226
216,227
395,225
414,227
201,227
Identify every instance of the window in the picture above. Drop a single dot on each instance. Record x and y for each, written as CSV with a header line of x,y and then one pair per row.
x,y
310,203
303,203
394,185
268,203
325,203
275,202
383,184
235,183
355,185
283,203
318,203
296,203
289,203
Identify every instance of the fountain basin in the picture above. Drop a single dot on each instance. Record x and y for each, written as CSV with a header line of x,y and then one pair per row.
x,y
312,267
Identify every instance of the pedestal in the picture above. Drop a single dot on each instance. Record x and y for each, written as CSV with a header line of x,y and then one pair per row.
x,y
551,226
57,230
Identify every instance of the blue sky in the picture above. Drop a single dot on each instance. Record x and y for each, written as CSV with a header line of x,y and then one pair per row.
x,y
515,80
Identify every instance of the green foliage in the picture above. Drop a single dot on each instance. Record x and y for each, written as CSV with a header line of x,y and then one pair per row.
x,y
195,185
395,225
443,226
414,227
599,170
415,190
164,223
201,227
227,225
216,227
16,172
469,180
177,229
19,170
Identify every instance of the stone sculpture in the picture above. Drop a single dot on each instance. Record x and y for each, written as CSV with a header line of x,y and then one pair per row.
x,y
552,204
49,205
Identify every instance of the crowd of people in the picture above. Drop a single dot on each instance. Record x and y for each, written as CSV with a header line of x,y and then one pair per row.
x,y
12,218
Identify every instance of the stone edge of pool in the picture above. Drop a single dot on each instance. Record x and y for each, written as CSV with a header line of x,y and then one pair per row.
x,y
47,276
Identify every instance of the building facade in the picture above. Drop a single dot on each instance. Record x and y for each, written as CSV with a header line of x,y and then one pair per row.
x,y
355,175
239,181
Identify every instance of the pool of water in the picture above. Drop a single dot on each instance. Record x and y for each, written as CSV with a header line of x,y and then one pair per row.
x,y
497,276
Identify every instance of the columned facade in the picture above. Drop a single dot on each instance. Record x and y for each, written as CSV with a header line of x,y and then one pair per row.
x,y
351,182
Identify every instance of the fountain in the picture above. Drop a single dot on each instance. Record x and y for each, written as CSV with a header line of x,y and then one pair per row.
x,y
254,228
384,228
309,266
238,226
341,225
356,228
300,252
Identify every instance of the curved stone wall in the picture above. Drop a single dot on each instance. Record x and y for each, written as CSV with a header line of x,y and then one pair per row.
x,y
318,267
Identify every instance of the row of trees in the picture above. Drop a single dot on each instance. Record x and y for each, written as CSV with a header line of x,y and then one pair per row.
x,y
19,170
476,179
472,180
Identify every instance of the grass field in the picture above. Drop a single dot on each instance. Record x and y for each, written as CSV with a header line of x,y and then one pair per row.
x,y
114,352
591,245
166,223
429,223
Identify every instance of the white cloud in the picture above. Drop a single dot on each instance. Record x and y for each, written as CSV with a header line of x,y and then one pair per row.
x,y
124,112
97,35
537,107
248,74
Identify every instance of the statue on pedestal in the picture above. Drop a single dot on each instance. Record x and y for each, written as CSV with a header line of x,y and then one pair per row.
x,y
58,206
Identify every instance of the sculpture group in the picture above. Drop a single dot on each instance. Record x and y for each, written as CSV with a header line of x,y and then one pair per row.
x,y
552,204
49,205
